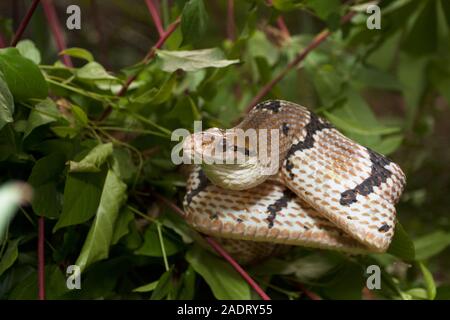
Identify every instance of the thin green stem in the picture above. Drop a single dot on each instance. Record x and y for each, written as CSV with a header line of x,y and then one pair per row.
x,y
151,123
143,131
163,249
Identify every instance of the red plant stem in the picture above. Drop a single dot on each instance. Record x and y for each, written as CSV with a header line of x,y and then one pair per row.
x,y
218,248
55,26
155,16
299,58
237,267
282,25
41,258
231,27
24,23
150,55
311,295
2,41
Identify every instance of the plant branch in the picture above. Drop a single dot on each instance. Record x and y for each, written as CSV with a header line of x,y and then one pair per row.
x,y
154,12
150,55
318,39
41,258
219,249
55,26
231,26
24,23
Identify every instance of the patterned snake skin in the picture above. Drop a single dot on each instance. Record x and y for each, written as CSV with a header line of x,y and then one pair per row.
x,y
330,192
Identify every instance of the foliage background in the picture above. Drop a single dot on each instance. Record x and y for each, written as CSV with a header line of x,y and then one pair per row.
x,y
96,182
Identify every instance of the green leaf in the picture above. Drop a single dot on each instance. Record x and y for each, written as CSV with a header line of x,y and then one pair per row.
x,y
22,75
287,5
431,244
187,291
99,238
193,60
121,227
193,20
152,246
79,115
93,160
402,245
28,49
55,285
78,53
82,194
44,178
43,113
429,281
93,71
224,281
164,286
148,287
10,256
6,103
324,8
356,127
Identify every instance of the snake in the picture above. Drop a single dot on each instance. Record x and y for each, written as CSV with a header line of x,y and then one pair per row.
x,y
326,191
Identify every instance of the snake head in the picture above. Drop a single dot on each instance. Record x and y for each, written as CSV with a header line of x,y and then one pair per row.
x,y
228,157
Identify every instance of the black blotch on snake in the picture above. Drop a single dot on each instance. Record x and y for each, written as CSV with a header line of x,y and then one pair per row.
x,y
203,183
278,205
378,175
272,105
315,125
384,228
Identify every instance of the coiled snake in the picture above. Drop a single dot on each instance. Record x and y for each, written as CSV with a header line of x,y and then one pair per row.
x,y
329,192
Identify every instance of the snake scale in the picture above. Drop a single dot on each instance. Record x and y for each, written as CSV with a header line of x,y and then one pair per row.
x,y
329,192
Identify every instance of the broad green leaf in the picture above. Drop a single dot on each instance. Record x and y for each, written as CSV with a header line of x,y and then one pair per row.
x,y
431,244
82,194
152,245
44,178
78,53
122,164
402,245
79,115
121,227
410,73
12,195
6,103
287,5
22,75
187,290
324,8
55,285
164,286
193,20
307,268
346,284
99,238
9,256
353,126
193,60
43,113
93,71
93,160
224,281
429,281
28,49
147,288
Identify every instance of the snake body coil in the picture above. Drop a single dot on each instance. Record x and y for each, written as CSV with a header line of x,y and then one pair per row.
x,y
330,192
